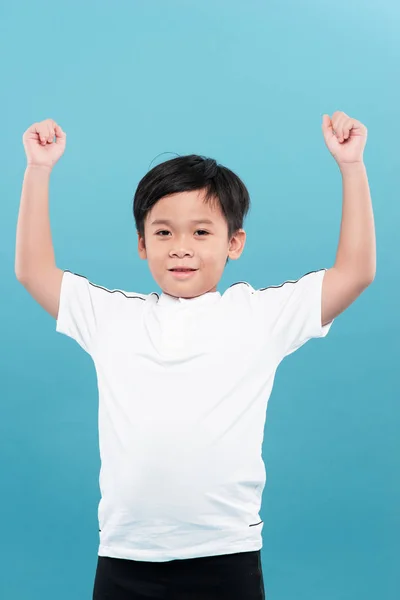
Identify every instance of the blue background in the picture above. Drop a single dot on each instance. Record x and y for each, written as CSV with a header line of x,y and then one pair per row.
x,y
246,83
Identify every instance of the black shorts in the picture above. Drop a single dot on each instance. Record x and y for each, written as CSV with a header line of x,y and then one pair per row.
x,y
229,576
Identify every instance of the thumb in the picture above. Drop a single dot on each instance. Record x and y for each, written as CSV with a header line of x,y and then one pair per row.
x,y
60,134
327,126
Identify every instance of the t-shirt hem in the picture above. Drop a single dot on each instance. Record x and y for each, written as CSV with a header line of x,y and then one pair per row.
x,y
151,556
319,330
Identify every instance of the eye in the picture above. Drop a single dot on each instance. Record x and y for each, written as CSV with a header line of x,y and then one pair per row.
x,y
166,231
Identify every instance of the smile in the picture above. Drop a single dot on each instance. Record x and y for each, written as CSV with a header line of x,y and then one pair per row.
x,y
183,274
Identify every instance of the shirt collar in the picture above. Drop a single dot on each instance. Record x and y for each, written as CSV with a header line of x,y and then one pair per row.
x,y
207,298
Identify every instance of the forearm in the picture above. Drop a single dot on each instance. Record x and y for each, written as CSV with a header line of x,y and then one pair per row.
x,y
356,251
34,246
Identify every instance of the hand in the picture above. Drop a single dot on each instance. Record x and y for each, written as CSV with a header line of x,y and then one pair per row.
x,y
345,138
40,148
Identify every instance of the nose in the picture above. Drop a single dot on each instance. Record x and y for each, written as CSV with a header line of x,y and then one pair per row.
x,y
180,245
181,252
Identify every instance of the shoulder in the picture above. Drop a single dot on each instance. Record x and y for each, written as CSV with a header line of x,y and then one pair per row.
x,y
241,296
239,289
307,279
277,293
80,285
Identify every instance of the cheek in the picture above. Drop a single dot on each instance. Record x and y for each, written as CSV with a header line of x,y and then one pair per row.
x,y
155,259
156,251
215,254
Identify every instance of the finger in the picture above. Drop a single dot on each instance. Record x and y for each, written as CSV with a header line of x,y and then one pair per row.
x,y
50,132
344,127
327,123
50,139
45,131
338,120
40,130
58,131
337,126
327,127
347,127
46,134
42,134
61,136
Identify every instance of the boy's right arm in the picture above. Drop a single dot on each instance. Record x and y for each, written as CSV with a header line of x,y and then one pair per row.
x,y
35,266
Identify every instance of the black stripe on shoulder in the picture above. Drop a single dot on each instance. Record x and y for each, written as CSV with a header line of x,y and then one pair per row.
x,y
237,283
290,281
106,289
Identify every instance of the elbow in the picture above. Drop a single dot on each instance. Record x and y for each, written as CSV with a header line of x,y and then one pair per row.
x,y
370,279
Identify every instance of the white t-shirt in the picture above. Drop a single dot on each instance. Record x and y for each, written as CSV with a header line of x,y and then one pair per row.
x,y
183,392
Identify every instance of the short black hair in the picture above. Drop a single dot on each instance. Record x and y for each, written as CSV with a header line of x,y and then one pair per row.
x,y
193,172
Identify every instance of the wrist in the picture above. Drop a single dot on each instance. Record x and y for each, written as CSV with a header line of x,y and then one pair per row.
x,y
36,167
356,168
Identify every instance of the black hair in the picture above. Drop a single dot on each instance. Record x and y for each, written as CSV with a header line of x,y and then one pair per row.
x,y
193,172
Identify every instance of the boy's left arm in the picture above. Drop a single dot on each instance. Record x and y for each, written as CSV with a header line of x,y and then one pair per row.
x,y
355,264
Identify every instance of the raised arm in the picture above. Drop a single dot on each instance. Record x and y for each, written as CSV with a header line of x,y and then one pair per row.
x,y
355,264
35,265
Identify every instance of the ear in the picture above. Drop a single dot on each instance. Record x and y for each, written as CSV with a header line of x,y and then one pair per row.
x,y
236,244
141,247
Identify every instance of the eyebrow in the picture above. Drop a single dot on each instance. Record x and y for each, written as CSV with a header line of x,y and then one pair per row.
x,y
168,222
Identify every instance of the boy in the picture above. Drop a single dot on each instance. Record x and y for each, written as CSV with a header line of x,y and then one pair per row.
x,y
184,376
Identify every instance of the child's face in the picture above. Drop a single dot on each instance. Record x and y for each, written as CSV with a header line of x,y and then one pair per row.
x,y
183,243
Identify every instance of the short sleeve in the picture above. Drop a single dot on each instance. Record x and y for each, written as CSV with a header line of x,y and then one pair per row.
x,y
82,304
293,311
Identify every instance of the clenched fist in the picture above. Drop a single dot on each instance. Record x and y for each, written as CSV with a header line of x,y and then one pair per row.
x,y
40,147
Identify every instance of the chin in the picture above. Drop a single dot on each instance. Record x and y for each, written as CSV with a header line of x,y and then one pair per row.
x,y
180,290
